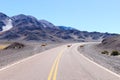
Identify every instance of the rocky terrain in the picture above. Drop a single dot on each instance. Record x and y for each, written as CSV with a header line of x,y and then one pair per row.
x,y
16,51
26,36
111,43
5,22
29,28
15,45
106,53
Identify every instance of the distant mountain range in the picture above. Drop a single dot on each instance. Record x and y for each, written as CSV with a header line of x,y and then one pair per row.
x,y
25,27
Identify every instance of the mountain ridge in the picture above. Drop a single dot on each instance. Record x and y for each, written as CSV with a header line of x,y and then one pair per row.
x,y
26,27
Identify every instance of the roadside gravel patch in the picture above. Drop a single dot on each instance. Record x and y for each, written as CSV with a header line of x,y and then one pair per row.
x,y
10,56
93,52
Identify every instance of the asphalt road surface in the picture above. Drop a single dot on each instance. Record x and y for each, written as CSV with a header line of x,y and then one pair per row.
x,y
60,63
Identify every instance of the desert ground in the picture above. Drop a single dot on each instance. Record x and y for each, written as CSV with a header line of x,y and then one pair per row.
x,y
12,55
93,52
64,62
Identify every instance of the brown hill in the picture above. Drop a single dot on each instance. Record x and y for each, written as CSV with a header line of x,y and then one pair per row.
x,y
111,43
29,28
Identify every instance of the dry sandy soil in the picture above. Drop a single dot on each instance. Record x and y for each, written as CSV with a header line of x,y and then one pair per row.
x,y
10,56
93,52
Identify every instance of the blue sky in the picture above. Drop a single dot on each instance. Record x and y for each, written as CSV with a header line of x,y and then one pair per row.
x,y
90,15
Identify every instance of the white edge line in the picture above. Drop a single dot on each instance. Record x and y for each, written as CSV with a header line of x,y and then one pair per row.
x,y
22,60
100,66
19,61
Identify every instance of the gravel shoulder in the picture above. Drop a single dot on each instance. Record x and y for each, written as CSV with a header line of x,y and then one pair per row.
x,y
10,56
93,52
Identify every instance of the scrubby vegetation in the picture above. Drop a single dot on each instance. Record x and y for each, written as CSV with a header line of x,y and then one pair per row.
x,y
15,45
115,53
44,44
82,46
69,45
105,52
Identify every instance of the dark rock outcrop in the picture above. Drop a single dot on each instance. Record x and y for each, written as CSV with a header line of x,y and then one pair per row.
x,y
15,45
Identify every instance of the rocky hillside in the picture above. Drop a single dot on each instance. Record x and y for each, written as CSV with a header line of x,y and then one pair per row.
x,y
25,27
111,43
5,22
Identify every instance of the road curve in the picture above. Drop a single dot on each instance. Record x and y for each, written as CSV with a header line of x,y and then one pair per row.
x,y
60,63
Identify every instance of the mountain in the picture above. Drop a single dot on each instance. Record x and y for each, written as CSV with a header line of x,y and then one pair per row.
x,y
26,27
5,22
111,43
47,24
65,28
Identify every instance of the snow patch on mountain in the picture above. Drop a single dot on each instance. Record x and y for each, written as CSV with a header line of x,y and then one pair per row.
x,y
8,26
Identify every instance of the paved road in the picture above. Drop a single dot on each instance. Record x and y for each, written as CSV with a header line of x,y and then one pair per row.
x,y
60,63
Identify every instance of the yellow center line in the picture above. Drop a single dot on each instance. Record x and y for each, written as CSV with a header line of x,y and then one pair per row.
x,y
54,69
